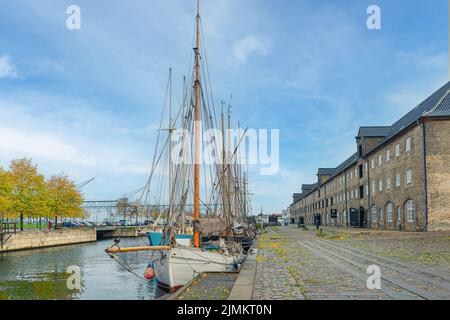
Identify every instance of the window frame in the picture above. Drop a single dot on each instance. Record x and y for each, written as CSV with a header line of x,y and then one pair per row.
x,y
410,211
389,212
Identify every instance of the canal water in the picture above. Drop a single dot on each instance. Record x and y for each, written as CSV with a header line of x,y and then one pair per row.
x,y
42,273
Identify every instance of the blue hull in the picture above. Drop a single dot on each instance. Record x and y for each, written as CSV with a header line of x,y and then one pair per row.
x,y
156,238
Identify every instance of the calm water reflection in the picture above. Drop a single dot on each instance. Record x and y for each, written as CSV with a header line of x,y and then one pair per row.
x,y
41,274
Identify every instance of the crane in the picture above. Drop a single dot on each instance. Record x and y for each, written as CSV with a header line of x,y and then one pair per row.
x,y
83,184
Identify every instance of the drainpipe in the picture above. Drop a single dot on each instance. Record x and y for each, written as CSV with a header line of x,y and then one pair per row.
x,y
424,173
346,199
369,195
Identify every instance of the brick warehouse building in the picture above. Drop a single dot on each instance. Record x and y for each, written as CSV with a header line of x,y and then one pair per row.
x,y
398,179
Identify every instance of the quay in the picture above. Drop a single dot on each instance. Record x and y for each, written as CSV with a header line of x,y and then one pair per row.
x,y
291,263
34,239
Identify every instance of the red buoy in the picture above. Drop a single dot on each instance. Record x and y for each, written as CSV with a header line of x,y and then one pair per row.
x,y
149,273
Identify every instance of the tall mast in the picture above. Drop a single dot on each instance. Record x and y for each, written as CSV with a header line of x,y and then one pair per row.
x,y
237,178
196,134
170,145
229,160
224,201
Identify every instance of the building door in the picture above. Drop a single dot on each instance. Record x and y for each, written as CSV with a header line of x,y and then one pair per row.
x,y
362,217
354,217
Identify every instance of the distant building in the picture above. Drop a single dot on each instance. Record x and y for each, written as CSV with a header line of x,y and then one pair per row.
x,y
398,178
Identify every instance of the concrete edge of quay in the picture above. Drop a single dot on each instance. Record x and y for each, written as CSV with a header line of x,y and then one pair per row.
x,y
39,239
243,287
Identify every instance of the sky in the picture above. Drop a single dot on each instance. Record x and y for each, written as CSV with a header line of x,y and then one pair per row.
x,y
87,102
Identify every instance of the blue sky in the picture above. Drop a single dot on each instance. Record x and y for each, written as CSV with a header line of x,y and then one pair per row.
x,y
87,102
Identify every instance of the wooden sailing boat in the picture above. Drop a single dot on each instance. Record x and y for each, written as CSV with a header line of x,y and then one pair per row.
x,y
183,261
195,242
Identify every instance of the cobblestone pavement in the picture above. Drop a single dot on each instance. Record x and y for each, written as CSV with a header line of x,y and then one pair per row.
x,y
295,264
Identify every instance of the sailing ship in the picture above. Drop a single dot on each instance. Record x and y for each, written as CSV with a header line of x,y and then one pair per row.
x,y
210,235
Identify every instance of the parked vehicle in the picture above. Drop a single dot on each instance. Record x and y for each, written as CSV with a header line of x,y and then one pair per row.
x,y
70,224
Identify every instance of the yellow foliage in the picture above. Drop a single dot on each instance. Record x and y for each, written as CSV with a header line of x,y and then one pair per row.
x,y
24,192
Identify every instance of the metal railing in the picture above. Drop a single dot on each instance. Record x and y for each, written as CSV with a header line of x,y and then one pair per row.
x,y
7,229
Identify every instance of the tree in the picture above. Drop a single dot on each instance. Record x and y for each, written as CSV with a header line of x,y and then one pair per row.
x,y
29,191
6,189
64,199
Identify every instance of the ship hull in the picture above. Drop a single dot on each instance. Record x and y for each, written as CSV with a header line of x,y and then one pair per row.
x,y
178,266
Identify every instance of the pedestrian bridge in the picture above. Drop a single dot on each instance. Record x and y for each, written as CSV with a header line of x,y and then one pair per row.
x,y
105,231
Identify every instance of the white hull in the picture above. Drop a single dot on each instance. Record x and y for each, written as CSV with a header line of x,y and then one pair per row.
x,y
178,266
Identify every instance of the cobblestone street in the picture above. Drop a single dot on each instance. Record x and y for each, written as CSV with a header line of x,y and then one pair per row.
x,y
295,264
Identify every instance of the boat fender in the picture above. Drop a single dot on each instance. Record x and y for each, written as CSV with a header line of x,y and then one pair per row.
x,y
150,273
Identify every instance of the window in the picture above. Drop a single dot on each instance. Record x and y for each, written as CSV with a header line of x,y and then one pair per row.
x,y
408,177
356,172
351,194
389,212
360,150
361,192
361,171
380,160
388,183
372,164
380,185
367,190
410,210
408,144
381,215
374,214
374,187
356,193
399,214
397,150
365,166
397,180
351,174
388,155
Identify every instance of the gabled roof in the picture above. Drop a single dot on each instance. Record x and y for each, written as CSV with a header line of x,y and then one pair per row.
x,y
442,109
436,105
375,131
344,165
325,171
432,102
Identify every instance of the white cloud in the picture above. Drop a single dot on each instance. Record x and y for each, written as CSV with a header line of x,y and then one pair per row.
x,y
7,69
69,138
424,59
247,46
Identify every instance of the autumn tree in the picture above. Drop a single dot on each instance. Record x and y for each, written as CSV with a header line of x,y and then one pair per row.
x,y
6,188
29,192
64,199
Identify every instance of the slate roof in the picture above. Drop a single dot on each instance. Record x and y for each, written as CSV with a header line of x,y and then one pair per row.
x,y
432,102
344,165
325,171
436,105
442,109
378,131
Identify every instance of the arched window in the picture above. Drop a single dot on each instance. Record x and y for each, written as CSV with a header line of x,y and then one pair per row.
x,y
389,212
410,211
381,215
374,214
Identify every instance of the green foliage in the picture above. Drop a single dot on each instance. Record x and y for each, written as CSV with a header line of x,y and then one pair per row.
x,y
29,193
64,199
25,193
